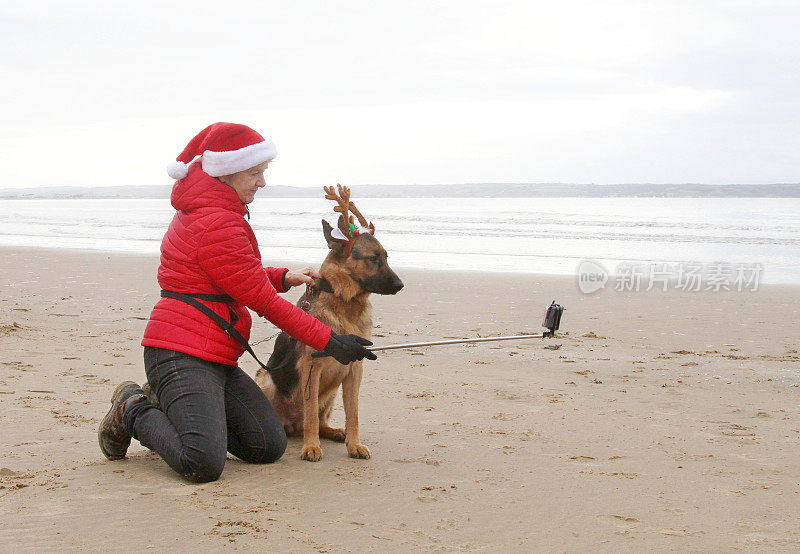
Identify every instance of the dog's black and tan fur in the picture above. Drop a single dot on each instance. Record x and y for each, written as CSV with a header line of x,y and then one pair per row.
x,y
350,273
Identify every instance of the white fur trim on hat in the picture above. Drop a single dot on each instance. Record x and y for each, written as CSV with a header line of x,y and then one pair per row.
x,y
217,164
177,170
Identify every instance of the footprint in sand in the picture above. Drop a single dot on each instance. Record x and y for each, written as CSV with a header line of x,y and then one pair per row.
x,y
735,357
690,353
230,529
507,395
625,475
624,522
555,398
10,329
19,366
72,419
432,493
531,435
425,460
592,335
736,430
11,480
502,416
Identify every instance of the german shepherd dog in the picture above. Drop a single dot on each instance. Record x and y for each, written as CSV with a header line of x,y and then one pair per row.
x,y
303,389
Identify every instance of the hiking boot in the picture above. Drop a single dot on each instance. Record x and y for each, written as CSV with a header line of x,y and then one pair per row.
x,y
151,396
113,437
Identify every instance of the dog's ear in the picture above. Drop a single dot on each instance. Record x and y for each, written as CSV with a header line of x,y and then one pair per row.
x,y
327,230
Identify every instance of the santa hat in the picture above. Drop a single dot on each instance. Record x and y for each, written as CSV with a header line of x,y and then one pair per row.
x,y
226,148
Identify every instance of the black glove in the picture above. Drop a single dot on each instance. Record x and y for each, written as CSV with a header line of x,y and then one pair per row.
x,y
349,348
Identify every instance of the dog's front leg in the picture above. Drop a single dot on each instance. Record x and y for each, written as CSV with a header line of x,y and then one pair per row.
x,y
350,386
310,383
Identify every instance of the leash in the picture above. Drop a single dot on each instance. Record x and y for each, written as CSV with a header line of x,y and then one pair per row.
x,y
227,326
193,299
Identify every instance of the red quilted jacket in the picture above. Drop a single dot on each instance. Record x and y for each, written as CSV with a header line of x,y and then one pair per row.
x,y
209,248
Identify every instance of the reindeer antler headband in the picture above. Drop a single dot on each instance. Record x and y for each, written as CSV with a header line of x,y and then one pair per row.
x,y
344,205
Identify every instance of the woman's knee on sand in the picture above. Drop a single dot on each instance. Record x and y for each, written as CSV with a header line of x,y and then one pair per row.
x,y
202,468
205,466
266,448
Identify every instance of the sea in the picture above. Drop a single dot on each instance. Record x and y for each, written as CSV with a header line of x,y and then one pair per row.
x,y
523,235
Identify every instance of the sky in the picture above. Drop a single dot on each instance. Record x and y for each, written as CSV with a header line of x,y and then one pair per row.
x,y
414,92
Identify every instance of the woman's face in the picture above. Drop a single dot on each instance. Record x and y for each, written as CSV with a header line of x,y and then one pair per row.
x,y
246,183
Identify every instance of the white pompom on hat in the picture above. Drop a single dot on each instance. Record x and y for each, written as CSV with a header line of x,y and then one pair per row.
x,y
177,170
226,148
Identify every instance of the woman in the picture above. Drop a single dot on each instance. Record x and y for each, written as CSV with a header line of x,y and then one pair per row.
x,y
210,253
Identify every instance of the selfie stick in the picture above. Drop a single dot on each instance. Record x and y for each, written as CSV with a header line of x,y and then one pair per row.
x,y
552,320
458,341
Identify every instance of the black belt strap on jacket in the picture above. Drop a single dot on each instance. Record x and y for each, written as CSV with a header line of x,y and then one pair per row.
x,y
227,326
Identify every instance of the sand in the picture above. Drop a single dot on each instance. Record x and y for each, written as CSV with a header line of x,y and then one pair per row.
x,y
665,421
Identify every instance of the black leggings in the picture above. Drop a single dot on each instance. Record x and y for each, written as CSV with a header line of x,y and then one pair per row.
x,y
209,409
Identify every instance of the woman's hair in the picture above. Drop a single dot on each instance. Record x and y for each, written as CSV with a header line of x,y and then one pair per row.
x,y
224,178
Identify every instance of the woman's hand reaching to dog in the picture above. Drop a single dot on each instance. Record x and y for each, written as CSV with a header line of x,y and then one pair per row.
x,y
303,276
345,349
349,348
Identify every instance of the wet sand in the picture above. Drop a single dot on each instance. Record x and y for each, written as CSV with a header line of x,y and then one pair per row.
x,y
665,421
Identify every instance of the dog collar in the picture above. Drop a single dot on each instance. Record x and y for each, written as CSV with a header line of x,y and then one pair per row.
x,y
323,284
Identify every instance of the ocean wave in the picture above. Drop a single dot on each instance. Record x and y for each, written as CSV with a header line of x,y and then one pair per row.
x,y
527,235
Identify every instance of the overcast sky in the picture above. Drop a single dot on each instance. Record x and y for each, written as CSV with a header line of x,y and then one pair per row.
x,y
107,93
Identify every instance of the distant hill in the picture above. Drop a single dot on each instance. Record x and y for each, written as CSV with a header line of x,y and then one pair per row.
x,y
469,190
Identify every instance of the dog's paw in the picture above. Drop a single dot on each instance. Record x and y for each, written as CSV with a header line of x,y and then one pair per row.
x,y
332,433
358,451
311,453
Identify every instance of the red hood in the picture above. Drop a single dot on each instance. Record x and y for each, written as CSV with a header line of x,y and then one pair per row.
x,y
200,190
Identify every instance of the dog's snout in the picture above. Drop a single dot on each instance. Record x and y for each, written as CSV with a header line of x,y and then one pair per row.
x,y
397,284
